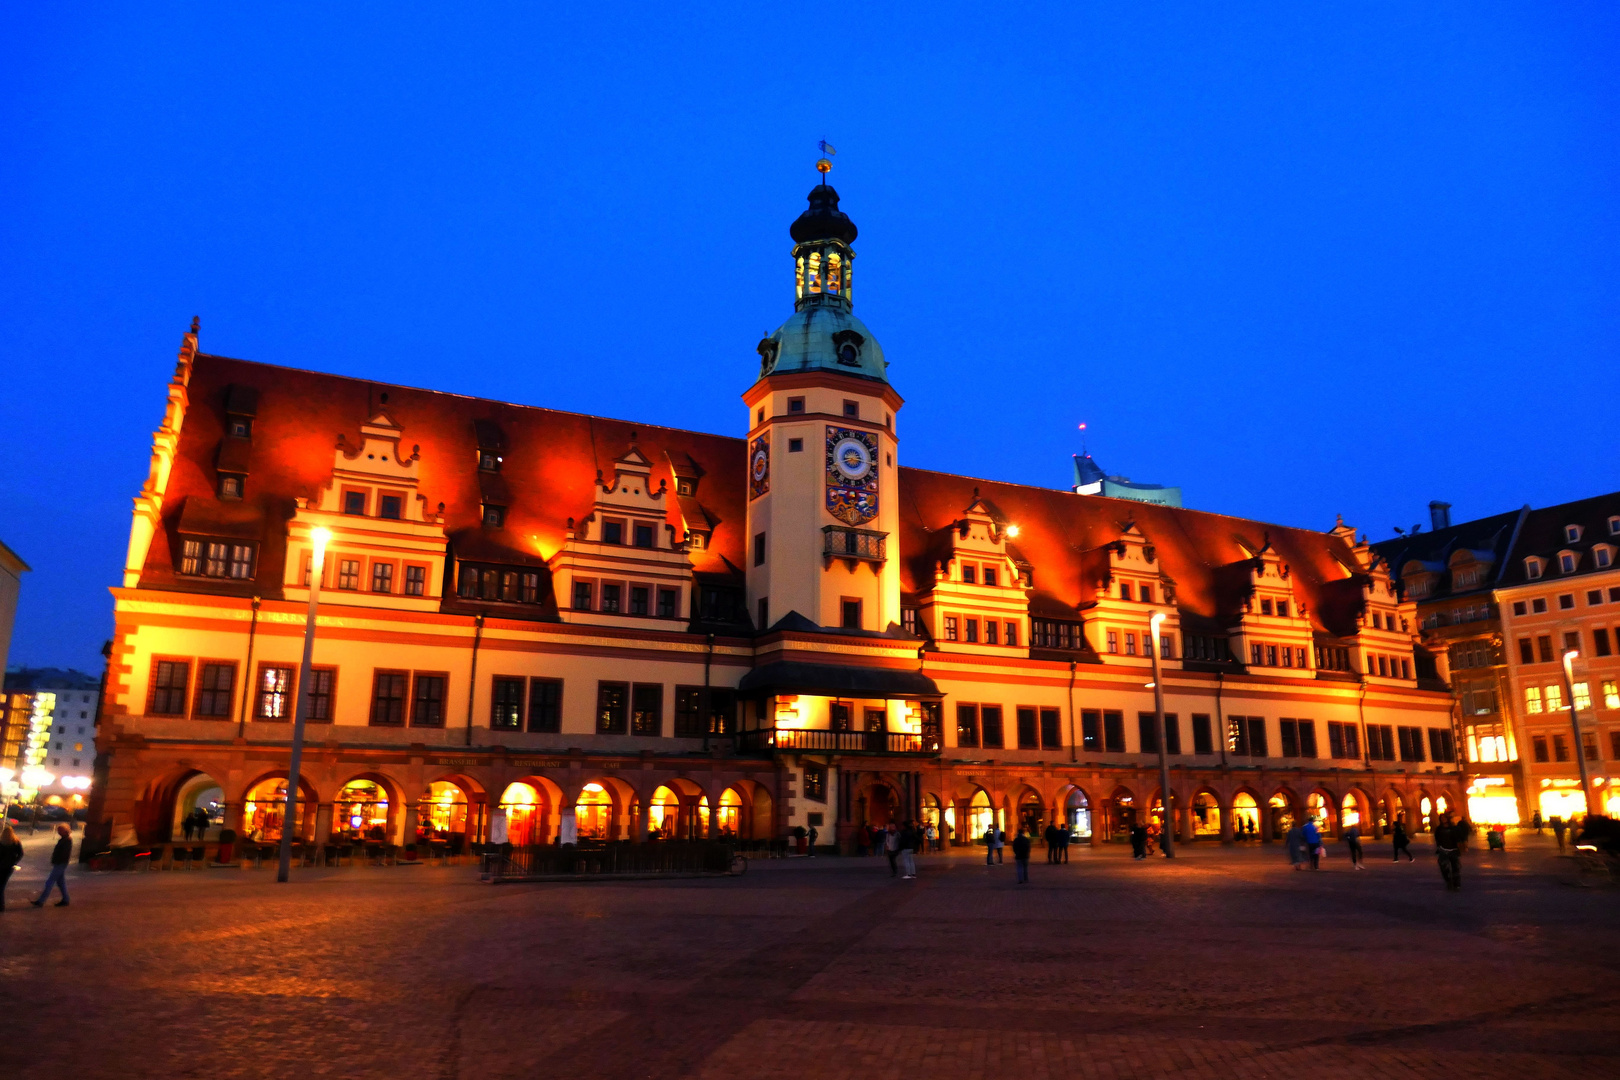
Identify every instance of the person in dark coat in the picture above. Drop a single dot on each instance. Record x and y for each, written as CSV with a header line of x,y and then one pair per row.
x,y
1294,841
1352,837
1020,846
1051,838
1065,834
1448,842
10,855
1557,824
60,856
1139,836
1400,842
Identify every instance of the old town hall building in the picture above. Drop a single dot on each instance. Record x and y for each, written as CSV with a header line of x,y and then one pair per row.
x,y
563,628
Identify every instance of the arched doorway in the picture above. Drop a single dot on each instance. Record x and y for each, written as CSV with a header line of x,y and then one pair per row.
x,y
981,815
1425,814
1077,812
1245,816
362,811
441,812
1206,814
1351,814
1124,814
593,813
1391,810
1031,812
264,805
728,818
1319,808
1283,814
200,804
524,809
663,814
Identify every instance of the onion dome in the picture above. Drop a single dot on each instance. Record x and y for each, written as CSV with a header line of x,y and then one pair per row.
x,y
823,221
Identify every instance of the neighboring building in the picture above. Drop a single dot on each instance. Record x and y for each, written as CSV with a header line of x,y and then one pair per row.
x,y
567,627
54,751
1089,479
1451,572
1560,592
11,571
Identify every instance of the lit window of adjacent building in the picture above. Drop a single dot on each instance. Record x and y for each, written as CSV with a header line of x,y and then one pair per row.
x,y
1583,696
230,487
1611,696
1532,699
1555,698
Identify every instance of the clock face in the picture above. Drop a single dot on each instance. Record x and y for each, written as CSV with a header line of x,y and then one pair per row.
x,y
852,459
762,464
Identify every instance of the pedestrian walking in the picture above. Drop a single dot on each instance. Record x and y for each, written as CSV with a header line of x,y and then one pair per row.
x,y
1294,842
909,838
891,848
1352,837
931,837
1138,841
1313,842
1020,846
187,824
1400,842
1001,843
1535,822
60,854
811,846
1558,827
10,855
1448,841
1050,835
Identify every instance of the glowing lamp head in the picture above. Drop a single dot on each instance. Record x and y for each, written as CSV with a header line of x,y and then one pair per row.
x,y
1012,532
320,537
1569,662
1155,622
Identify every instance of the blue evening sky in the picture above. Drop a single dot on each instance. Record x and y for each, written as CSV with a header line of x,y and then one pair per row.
x,y
1299,259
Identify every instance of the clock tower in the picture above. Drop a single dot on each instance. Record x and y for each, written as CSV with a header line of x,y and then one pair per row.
x,y
823,504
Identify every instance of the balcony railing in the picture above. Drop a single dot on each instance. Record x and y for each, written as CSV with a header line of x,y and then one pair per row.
x,y
819,741
845,543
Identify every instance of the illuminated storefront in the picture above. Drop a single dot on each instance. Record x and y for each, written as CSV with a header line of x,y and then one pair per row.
x,y
442,810
663,814
1562,799
1492,801
265,806
593,814
729,816
980,815
1245,815
361,812
1077,812
524,810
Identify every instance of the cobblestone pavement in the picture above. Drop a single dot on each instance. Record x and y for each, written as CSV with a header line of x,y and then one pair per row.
x,y
1223,963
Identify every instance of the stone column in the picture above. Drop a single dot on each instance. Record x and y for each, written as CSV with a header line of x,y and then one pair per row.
x,y
323,823
1227,821
1268,822
408,825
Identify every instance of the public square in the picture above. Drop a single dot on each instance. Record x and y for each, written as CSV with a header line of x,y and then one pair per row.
x,y
1223,963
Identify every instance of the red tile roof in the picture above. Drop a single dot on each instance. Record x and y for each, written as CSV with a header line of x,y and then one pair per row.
x,y
551,462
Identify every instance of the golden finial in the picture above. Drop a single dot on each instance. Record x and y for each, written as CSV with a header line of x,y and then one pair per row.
x,y
824,165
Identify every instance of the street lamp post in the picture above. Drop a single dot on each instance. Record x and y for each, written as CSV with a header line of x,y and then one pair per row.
x,y
1167,833
1575,725
289,814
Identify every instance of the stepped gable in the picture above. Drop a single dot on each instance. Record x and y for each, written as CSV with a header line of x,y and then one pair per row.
x,y
1059,534
549,467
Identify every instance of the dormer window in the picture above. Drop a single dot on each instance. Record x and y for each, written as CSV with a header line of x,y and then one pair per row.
x,y
612,532
1614,525
1532,568
1567,561
354,502
230,487
216,558
240,427
696,541
389,507
1572,534
1601,557
848,355
494,516
489,461
685,486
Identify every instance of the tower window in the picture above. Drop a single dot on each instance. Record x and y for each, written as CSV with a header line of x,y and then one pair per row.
x,y
488,461
389,508
684,486
241,428
795,404
354,502
852,614
848,355
230,487
795,446
644,536
852,408
494,516
759,549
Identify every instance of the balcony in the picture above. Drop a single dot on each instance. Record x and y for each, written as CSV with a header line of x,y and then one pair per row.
x,y
842,543
819,741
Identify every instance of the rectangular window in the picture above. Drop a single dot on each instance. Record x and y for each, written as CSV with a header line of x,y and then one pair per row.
x,y
1090,729
950,628
967,725
1560,748
1029,734
388,698
795,404
1532,699
1271,656
1527,652
1442,745
990,575
990,725
1290,738
1113,731
1172,733
1335,740
506,704
852,616
1147,729
354,502
274,694
1237,736
1202,743
1265,608
241,561
612,708
320,695
643,535
382,577
1589,745
1611,696
1130,644
1257,655
668,600
170,680
348,574
191,557
1539,747
795,446
992,632
390,507
970,574
1307,738
815,782
638,599
1146,592
1257,737
1555,698
1614,745
582,596
759,549
839,715
610,596
1113,641
415,580
1583,696
1600,641
689,712
215,690
612,532
647,709
1544,648
972,627
1411,743
764,612
1051,729
1011,637
545,705
427,700
1381,737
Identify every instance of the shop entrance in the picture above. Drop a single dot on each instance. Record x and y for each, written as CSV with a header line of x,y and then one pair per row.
x,y
880,805
1282,815
441,814
593,814
1077,811
1206,815
980,816
264,806
1245,816
525,814
360,812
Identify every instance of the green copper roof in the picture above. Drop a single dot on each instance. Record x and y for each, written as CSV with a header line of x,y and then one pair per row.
x,y
824,335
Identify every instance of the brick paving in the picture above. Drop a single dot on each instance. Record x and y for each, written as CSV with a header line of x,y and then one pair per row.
x,y
1222,964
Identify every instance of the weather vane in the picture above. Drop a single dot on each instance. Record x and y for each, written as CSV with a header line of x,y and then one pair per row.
x,y
824,166
1083,451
